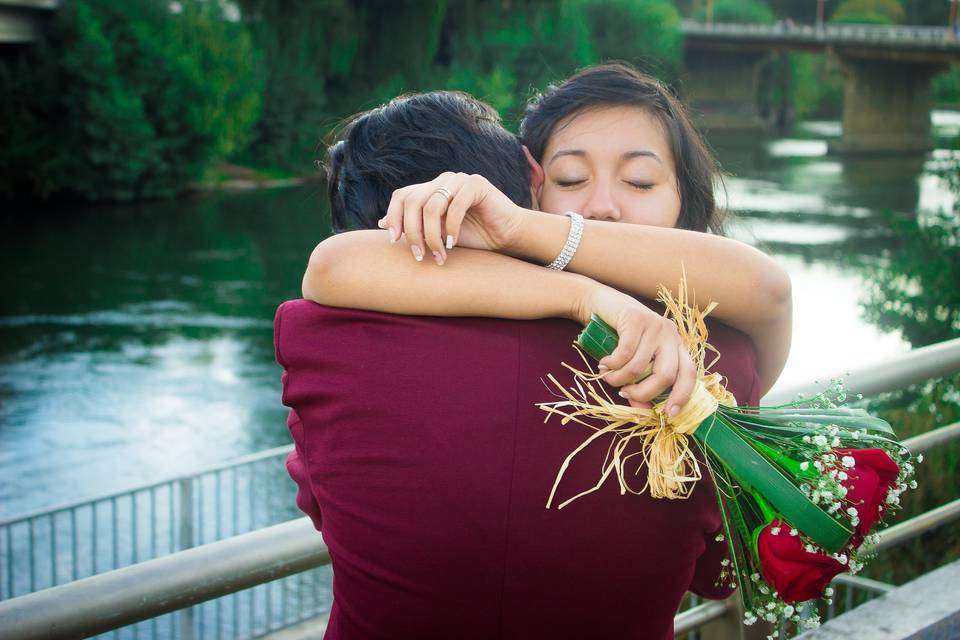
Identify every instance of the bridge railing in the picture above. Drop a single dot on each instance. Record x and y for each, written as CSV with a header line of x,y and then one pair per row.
x,y
139,592
73,541
905,35
145,590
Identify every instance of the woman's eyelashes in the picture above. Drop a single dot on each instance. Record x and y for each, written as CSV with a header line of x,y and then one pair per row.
x,y
634,184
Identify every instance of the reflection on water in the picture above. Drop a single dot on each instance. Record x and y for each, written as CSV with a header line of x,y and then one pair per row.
x,y
136,342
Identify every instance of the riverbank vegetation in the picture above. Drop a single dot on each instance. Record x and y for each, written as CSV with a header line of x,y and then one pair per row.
x,y
142,99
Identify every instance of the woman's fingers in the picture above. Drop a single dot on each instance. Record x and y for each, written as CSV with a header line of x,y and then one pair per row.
x,y
464,198
686,379
664,374
628,346
393,220
413,222
422,212
436,212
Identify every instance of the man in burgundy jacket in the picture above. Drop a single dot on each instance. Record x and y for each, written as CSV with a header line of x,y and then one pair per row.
x,y
422,458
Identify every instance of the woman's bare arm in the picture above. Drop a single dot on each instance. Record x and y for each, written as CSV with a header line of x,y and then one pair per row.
x,y
753,291
361,269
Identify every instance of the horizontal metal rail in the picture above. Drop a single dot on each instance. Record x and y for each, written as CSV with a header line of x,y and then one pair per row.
x,y
220,466
139,592
142,591
933,438
911,36
866,584
697,616
918,525
918,365
124,596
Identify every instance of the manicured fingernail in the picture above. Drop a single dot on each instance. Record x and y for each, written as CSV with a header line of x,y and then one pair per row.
x,y
394,235
381,223
449,242
623,395
417,253
602,367
673,410
438,257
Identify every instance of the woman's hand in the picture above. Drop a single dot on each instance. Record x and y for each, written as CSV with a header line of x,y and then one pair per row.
x,y
645,336
453,209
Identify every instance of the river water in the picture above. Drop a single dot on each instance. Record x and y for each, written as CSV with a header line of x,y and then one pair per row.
x,y
136,341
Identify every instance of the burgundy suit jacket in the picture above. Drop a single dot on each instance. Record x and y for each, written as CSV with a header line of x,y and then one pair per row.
x,y
422,458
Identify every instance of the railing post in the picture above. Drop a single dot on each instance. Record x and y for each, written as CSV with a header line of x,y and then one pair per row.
x,y
185,485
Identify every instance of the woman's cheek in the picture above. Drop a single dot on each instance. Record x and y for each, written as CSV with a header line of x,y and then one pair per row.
x,y
553,201
657,209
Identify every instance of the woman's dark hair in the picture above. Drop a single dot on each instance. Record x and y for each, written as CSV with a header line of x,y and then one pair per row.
x,y
414,138
619,84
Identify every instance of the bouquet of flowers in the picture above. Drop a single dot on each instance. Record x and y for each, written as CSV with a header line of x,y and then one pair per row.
x,y
801,487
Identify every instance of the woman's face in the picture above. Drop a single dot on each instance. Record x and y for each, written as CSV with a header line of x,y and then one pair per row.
x,y
611,163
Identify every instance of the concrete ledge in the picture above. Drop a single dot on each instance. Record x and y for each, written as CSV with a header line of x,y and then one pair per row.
x,y
927,608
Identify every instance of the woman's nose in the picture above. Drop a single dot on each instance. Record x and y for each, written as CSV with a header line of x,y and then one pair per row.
x,y
600,205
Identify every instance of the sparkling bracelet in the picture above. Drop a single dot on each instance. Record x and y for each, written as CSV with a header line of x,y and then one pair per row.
x,y
573,241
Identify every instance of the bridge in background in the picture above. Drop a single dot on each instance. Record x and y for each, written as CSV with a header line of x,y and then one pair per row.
x,y
888,71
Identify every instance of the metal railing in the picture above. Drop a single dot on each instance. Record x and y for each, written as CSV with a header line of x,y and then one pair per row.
x,y
73,541
906,36
181,579
139,592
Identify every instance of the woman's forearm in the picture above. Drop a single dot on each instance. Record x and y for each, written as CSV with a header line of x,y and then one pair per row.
x,y
750,287
361,269
752,291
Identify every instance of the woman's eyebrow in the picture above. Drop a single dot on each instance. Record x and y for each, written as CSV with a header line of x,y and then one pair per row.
x,y
641,153
567,152
629,155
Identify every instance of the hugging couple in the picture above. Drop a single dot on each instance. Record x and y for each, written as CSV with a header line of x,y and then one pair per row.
x,y
413,366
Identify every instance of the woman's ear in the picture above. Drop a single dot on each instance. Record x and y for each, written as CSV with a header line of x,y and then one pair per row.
x,y
536,175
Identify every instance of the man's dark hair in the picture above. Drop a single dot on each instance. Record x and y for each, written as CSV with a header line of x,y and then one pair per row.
x,y
414,138
619,84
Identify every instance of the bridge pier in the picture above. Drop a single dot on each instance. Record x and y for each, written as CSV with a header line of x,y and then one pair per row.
x,y
720,88
886,105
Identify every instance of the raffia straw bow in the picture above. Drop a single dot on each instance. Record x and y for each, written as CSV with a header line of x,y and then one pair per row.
x,y
664,446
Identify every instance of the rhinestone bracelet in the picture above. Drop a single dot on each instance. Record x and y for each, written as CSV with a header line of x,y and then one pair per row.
x,y
573,241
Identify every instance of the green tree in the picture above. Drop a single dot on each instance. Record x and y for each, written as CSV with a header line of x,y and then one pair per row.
x,y
913,287
504,56
646,34
124,101
816,86
869,12
744,11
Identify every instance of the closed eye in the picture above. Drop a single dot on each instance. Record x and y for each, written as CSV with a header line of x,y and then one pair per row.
x,y
569,183
643,186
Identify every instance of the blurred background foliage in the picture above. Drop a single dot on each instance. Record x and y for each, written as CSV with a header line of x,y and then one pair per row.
x,y
140,99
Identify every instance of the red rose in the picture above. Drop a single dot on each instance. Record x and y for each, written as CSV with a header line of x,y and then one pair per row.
x,y
867,483
795,574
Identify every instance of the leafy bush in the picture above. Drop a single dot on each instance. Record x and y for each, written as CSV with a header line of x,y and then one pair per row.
x,y
743,11
816,85
869,12
646,34
123,100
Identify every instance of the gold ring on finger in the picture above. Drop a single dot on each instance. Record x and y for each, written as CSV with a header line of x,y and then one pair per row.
x,y
445,193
